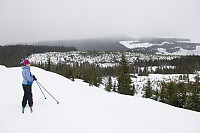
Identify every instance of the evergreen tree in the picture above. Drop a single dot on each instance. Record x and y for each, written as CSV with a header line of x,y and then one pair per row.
x,y
133,90
73,76
163,92
156,95
124,79
196,94
49,64
109,85
148,90
170,93
92,78
98,79
85,71
114,87
181,95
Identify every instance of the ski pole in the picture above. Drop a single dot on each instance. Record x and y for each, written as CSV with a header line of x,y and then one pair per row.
x,y
41,90
48,93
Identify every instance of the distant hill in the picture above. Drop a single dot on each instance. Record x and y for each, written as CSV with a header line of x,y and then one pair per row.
x,y
167,46
12,55
179,46
92,44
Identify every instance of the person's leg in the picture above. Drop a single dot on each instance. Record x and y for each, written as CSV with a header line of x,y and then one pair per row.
x,y
25,98
29,95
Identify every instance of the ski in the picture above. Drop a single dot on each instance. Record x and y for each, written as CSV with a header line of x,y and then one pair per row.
x,y
31,109
23,110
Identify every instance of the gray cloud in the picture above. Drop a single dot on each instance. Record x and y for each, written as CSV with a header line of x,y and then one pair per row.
x,y
35,20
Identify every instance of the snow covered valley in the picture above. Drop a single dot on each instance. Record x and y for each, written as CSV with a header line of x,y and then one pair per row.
x,y
85,108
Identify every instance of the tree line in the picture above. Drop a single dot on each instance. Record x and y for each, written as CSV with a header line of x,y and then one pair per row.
x,y
182,65
13,55
89,73
179,94
93,74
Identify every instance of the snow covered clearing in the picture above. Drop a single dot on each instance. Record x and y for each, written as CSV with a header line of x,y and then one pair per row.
x,y
85,108
133,44
155,79
103,59
180,52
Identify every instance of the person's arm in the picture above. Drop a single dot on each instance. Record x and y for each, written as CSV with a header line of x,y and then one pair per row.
x,y
28,76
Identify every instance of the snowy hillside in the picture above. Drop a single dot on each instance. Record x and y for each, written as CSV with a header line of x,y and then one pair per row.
x,y
164,47
136,44
123,43
181,51
84,108
155,79
104,59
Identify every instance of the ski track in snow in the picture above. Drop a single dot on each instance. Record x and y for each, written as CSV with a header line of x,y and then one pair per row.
x,y
84,108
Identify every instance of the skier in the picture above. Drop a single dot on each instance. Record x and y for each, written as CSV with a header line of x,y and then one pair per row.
x,y
27,82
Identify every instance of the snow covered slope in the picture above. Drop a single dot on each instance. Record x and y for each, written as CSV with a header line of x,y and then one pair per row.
x,y
164,46
180,52
133,44
85,109
103,59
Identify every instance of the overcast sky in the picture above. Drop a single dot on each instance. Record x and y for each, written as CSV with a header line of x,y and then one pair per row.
x,y
36,20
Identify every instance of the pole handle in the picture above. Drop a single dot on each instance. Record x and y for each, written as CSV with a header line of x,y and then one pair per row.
x,y
41,90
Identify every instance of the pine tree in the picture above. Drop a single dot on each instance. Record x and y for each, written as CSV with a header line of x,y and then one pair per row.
x,y
130,90
163,92
99,79
76,73
86,73
95,77
73,76
196,94
148,90
156,94
92,79
124,79
181,95
133,90
114,87
109,85
48,64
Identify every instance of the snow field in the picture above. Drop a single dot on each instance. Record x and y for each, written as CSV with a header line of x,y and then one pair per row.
x,y
155,80
103,59
180,52
162,51
84,108
136,44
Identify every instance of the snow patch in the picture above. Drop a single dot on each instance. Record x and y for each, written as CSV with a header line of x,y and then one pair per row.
x,y
180,52
137,44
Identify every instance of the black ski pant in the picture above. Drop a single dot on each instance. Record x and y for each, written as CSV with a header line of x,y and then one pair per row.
x,y
27,95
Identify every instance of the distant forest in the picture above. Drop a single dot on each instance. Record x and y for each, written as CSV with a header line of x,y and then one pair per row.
x,y
182,65
12,55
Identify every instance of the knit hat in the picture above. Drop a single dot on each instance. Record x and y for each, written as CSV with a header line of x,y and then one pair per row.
x,y
26,62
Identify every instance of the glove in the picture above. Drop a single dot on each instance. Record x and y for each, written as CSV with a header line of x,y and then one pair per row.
x,y
34,78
